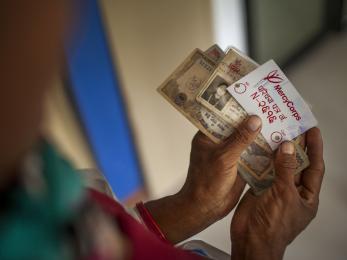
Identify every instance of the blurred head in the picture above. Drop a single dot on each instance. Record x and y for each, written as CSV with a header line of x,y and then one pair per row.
x,y
221,90
31,51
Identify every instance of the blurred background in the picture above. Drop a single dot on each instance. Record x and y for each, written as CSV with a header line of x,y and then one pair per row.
x,y
104,111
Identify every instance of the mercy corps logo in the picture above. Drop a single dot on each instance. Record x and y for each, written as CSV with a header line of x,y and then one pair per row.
x,y
274,77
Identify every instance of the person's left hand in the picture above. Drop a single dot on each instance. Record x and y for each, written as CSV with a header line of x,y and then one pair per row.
x,y
263,226
212,188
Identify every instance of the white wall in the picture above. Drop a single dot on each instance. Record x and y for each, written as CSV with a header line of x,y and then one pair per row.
x,y
281,28
229,24
149,39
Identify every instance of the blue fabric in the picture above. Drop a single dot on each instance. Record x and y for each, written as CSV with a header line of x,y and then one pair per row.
x,y
97,93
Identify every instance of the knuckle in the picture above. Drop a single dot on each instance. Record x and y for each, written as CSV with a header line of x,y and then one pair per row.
x,y
318,166
315,207
321,167
314,213
287,162
314,202
241,136
231,155
313,210
311,206
318,169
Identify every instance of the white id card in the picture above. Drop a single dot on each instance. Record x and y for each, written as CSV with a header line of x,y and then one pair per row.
x,y
268,93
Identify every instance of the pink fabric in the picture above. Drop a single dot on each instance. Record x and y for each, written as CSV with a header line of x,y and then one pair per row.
x,y
145,245
150,222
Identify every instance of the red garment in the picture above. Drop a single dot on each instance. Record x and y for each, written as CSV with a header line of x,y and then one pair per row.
x,y
145,245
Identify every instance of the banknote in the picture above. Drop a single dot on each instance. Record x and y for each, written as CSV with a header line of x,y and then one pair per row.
x,y
215,53
215,97
256,163
181,88
261,178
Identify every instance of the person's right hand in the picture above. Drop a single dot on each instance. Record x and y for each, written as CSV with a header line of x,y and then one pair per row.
x,y
263,226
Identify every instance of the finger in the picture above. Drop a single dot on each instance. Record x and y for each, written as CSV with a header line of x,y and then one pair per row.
x,y
243,136
240,181
312,177
235,193
240,218
237,188
285,164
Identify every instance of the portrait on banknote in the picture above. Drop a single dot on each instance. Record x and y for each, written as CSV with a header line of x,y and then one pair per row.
x,y
181,88
216,94
197,88
217,99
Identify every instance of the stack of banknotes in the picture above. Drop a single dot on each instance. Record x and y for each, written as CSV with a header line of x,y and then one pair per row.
x,y
197,89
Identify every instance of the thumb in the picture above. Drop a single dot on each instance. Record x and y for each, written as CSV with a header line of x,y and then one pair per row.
x,y
285,164
243,136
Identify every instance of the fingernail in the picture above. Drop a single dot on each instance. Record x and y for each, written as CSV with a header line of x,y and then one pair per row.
x,y
254,123
287,148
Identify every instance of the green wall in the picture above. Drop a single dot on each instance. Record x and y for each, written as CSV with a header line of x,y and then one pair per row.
x,y
282,27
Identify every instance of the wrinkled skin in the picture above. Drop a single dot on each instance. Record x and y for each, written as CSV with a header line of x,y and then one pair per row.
x,y
263,226
212,188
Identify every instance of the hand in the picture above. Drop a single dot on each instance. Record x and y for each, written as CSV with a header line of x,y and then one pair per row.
x,y
212,177
263,226
212,188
